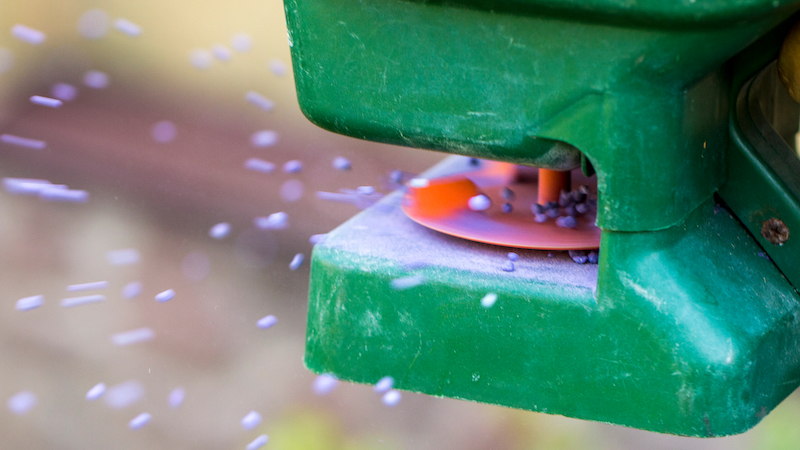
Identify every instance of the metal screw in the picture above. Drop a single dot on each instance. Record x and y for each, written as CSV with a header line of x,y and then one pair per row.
x,y
775,231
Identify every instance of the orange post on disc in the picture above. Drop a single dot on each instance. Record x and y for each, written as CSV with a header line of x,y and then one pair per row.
x,y
551,183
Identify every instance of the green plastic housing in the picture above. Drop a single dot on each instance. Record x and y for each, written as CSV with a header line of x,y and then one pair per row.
x,y
638,91
688,331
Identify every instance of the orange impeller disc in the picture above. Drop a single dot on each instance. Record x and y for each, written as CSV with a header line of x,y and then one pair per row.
x,y
442,204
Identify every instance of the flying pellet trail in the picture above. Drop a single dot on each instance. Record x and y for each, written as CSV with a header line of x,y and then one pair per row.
x,y
133,336
23,142
28,34
46,101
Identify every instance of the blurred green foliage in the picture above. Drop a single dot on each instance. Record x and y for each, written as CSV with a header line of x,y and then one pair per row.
x,y
780,429
319,430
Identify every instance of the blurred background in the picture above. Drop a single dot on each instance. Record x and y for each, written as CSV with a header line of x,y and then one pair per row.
x,y
160,145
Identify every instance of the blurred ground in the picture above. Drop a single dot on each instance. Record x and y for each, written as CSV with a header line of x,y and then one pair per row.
x,y
161,198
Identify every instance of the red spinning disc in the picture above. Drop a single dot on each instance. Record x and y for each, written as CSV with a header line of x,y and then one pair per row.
x,y
442,205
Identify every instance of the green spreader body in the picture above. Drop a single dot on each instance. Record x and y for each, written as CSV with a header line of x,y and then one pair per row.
x,y
685,326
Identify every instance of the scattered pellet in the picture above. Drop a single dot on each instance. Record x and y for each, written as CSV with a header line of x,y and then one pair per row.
x,y
508,266
46,101
479,202
341,163
407,282
23,142
277,67
584,189
488,300
259,100
96,79
537,208
21,403
132,290
275,221
196,266
251,420
164,131
221,52
258,442
593,257
264,138
58,194
165,296
93,24
365,190
324,384
507,194
29,303
292,190
176,397
87,286
578,196
293,166
122,257
259,165
27,34
579,256
507,208
352,198
220,230
297,261
65,92
267,322
6,60
241,42
391,398
418,182
96,392
540,218
552,213
384,384
566,222
474,162
128,27
139,421
396,176
570,210
124,394
581,208
201,58
513,256
133,336
317,238
83,300
565,199
28,186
